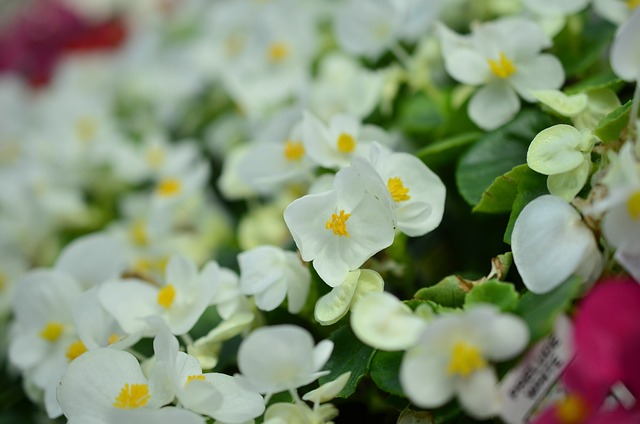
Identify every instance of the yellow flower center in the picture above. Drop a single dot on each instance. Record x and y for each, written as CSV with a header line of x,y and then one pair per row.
x,y
147,265
132,396
113,339
633,205
166,296
346,143
571,410
138,233
86,128
76,349
398,191
155,156
338,224
52,331
169,187
465,359
293,150
278,51
195,377
503,67
632,4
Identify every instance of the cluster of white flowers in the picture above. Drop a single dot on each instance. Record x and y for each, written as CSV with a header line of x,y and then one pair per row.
x,y
123,286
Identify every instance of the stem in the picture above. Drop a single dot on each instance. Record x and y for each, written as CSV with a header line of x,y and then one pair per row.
x,y
401,54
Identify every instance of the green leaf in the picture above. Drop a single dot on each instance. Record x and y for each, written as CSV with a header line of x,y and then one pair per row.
x,y
419,114
596,82
349,354
528,189
496,153
446,151
611,126
385,371
448,292
501,194
540,310
504,295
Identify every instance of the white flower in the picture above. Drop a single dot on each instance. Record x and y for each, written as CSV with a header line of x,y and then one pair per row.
x,y
179,302
615,11
380,320
106,386
564,154
418,193
550,242
585,109
555,7
335,145
334,305
283,357
340,229
271,274
625,56
452,358
504,57
217,395
227,294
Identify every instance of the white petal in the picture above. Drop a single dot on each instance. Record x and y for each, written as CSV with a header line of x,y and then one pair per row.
x,y
493,105
549,242
335,304
424,378
306,219
543,72
384,322
298,280
92,259
272,297
369,281
329,390
467,66
568,184
555,150
168,415
181,270
554,8
501,336
625,51
128,301
478,394
566,105
239,404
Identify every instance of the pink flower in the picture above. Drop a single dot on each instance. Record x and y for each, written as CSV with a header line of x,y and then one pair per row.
x,y
607,343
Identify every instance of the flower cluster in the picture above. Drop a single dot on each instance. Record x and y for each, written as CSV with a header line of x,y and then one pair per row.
x,y
241,211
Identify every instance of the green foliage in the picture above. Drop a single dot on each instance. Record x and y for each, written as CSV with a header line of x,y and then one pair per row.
x,y
385,371
496,153
419,114
446,151
349,354
502,193
449,292
611,126
504,295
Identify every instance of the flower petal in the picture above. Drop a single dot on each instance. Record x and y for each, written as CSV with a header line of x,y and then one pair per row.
x,y
493,105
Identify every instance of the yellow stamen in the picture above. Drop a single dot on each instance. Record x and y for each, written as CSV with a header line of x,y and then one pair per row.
x,y
632,4
571,410
76,349
166,296
138,233
195,377
155,156
146,265
346,143
633,205
465,359
398,191
278,51
169,187
133,396
113,339
86,128
293,150
338,224
52,331
503,67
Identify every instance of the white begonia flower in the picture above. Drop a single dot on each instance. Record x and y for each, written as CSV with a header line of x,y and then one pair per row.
x,y
504,58
271,274
179,302
452,358
335,145
340,229
227,295
207,348
334,305
585,109
282,357
615,11
344,86
217,395
382,321
418,193
92,259
328,390
12,267
621,208
96,327
299,413
550,242
555,7
106,386
564,154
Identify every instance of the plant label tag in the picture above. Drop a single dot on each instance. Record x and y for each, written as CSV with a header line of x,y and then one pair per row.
x,y
527,384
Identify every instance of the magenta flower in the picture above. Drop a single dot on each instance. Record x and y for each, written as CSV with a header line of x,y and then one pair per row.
x,y
607,344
